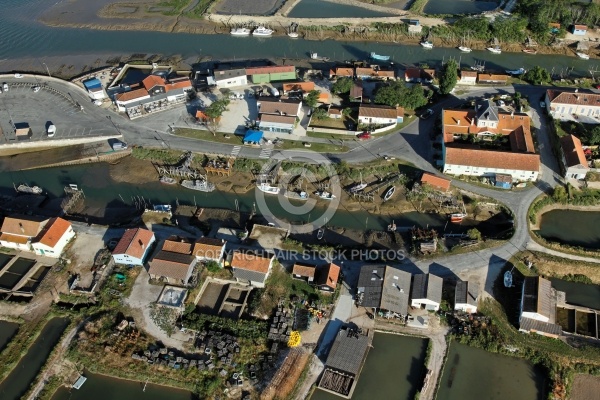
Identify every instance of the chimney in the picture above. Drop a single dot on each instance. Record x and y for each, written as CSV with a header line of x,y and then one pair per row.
x,y
141,244
21,227
458,122
472,121
512,114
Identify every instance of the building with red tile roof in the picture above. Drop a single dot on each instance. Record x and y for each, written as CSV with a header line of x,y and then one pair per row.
x,y
209,249
303,87
573,157
369,114
567,105
51,241
173,263
327,277
17,232
134,246
304,271
501,79
436,182
251,269
153,88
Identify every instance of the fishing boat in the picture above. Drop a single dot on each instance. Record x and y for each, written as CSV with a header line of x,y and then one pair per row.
x,y
293,35
25,188
315,56
426,44
296,195
262,31
508,278
465,49
519,71
494,50
392,227
320,234
583,56
163,208
265,187
359,186
389,193
479,67
240,32
167,180
201,185
378,57
457,218
530,51
325,195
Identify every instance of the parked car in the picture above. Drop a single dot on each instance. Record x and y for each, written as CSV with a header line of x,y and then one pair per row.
x,y
364,136
543,104
119,146
428,113
18,76
98,102
51,130
5,87
35,89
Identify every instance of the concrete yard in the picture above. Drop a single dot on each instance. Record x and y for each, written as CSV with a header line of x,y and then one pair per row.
x,y
52,104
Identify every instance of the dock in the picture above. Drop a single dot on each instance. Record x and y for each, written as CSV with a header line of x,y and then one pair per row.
x,y
79,382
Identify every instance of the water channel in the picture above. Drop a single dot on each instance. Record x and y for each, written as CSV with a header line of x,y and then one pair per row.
x,y
394,370
580,294
576,228
472,373
102,387
329,9
23,36
459,6
7,331
16,384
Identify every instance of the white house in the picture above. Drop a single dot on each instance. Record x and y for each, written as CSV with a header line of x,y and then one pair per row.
x,y
278,115
154,88
576,165
18,232
277,123
209,249
52,240
133,247
568,105
538,307
230,78
380,115
251,269
174,262
476,162
465,297
426,291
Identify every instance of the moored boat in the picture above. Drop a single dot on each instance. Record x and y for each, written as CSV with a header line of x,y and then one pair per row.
x,y
262,31
378,57
508,278
315,56
530,51
25,188
265,187
389,193
296,195
494,50
293,35
201,185
465,49
583,56
240,32
457,217
519,71
426,44
325,195
167,180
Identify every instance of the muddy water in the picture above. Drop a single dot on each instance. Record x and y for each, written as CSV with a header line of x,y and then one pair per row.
x,y
575,228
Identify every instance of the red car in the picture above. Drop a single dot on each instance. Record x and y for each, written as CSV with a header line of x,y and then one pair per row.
x,y
364,136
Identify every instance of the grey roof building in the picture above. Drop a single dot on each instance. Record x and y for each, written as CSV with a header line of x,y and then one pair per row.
x,y
396,290
370,285
486,113
465,296
427,291
348,351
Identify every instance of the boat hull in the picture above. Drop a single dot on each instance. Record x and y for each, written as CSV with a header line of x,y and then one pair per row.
x,y
465,49
494,51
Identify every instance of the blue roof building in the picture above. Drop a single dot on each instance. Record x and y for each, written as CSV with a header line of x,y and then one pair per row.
x,y
253,137
94,88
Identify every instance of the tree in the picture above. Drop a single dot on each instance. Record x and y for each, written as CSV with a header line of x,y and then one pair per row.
x,y
474,234
342,85
560,194
312,98
212,266
449,77
320,114
593,135
398,94
537,75
214,112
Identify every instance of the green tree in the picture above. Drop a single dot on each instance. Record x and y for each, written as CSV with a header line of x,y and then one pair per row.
x,y
320,114
312,98
398,94
214,112
342,85
593,135
474,234
537,75
560,194
449,77
212,266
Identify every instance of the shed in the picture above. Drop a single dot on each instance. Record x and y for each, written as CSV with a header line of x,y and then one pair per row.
x,y
503,181
93,83
253,137
23,132
579,30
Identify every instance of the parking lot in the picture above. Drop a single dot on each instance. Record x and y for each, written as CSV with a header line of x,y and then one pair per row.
x,y
22,107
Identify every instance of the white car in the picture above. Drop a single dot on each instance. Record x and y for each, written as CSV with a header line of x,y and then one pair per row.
x,y
543,104
18,76
36,89
98,102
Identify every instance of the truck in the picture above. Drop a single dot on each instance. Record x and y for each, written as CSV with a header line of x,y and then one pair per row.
x,y
51,130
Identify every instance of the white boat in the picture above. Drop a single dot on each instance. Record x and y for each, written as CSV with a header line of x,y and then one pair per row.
x,y
320,234
293,35
240,32
583,56
379,57
494,50
389,193
464,49
265,187
392,227
519,71
262,31
325,195
457,217
508,278
427,44
315,56
162,208
167,180
201,185
359,186
301,195
25,188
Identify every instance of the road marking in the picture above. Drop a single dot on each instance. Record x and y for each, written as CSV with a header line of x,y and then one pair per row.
x,y
265,153
236,150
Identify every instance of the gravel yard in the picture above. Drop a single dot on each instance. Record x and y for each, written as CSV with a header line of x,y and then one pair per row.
x,y
256,7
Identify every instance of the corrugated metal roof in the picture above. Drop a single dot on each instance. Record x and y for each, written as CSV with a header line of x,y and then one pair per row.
x,y
370,282
396,290
348,352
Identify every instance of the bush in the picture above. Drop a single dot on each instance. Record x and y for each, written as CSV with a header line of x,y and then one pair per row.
x,y
212,266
